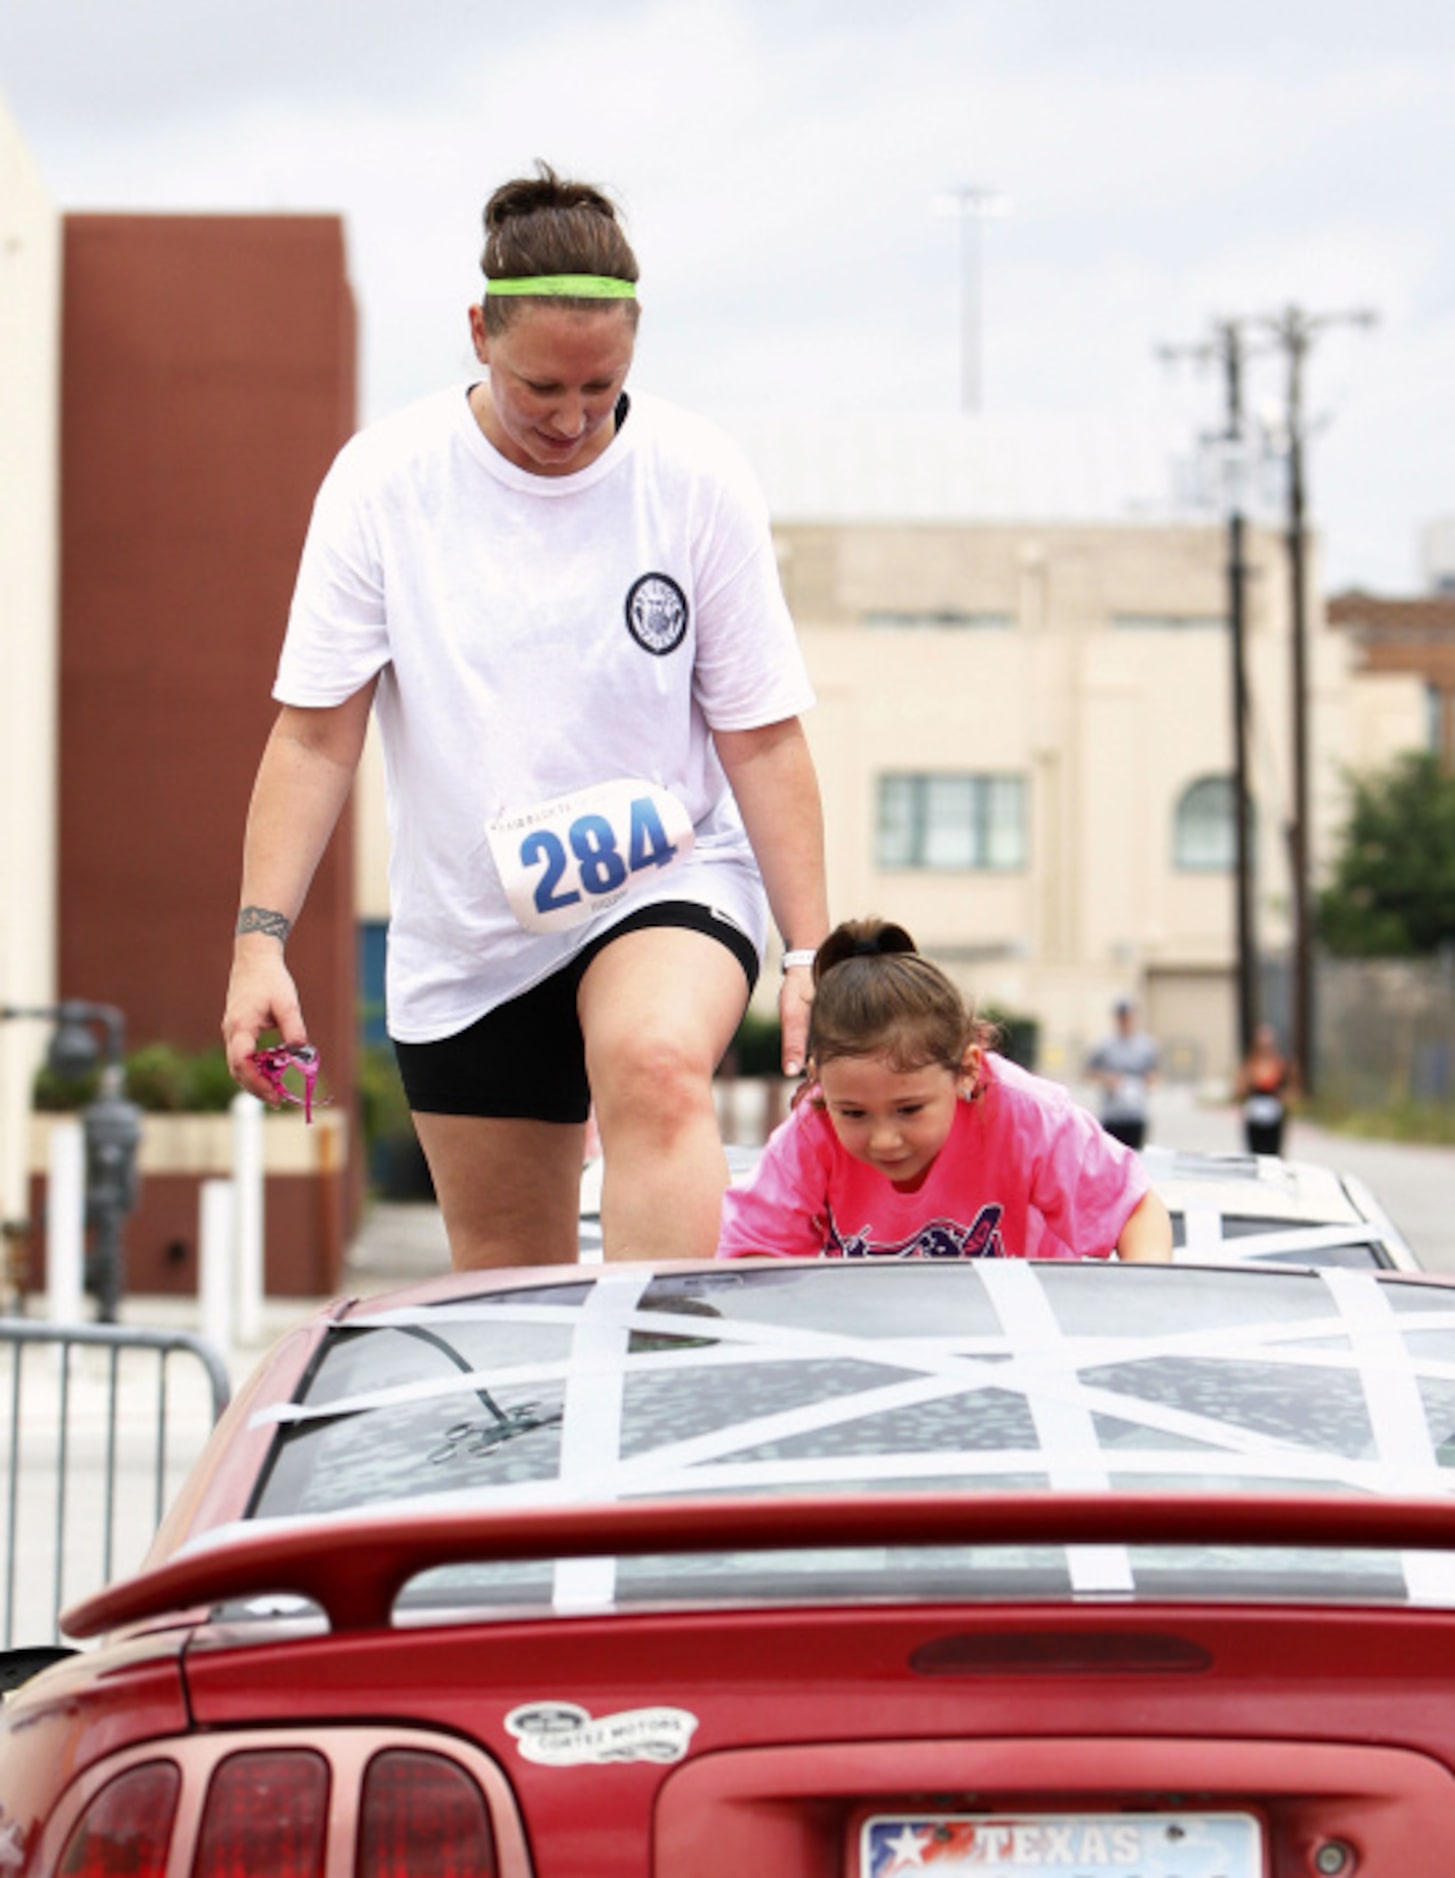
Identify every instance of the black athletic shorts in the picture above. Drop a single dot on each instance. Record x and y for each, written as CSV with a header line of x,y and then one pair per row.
x,y
527,1058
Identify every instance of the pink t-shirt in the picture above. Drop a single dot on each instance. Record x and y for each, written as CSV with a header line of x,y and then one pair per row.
x,y
1026,1173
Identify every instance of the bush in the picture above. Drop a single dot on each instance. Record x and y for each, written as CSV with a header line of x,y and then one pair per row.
x,y
159,1077
383,1105
397,1167
757,1049
1019,1036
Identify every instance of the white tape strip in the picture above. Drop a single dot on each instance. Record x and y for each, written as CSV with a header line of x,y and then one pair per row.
x,y
1063,1422
1396,1411
954,1358
1202,1232
591,1423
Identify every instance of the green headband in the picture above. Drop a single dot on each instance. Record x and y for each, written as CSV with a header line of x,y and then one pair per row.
x,y
567,286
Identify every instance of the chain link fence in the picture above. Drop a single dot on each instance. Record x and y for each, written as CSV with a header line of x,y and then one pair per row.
x,y
1385,1030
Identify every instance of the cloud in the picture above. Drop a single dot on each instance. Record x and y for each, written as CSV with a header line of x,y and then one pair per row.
x,y
778,161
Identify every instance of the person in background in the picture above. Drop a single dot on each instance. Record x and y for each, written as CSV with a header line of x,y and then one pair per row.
x,y
561,602
914,1139
1124,1067
1266,1080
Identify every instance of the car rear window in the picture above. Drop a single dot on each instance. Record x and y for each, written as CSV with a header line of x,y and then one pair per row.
x,y
820,1378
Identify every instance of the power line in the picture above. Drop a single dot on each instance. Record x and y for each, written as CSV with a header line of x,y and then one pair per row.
x,y
1295,331
1227,347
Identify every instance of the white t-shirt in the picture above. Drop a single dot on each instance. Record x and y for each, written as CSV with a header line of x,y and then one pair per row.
x,y
534,636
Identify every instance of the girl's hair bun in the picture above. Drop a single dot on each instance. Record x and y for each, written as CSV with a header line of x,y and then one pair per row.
x,y
861,939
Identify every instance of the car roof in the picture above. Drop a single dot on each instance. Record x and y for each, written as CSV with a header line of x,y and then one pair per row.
x,y
1248,1207
1247,1184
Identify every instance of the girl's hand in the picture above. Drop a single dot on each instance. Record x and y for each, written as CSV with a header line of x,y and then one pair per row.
x,y
1147,1236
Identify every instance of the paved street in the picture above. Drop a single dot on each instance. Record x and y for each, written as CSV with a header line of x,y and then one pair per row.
x,y
1414,1184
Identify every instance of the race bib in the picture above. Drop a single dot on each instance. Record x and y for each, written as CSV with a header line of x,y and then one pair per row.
x,y
563,862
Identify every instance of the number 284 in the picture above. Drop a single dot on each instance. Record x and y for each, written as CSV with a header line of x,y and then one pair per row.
x,y
595,858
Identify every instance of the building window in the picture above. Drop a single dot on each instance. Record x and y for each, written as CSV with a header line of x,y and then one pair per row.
x,y
940,619
945,823
1205,839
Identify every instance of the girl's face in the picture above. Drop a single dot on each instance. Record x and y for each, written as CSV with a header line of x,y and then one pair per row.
x,y
894,1120
555,377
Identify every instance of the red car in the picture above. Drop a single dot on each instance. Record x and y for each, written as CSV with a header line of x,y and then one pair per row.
x,y
781,1570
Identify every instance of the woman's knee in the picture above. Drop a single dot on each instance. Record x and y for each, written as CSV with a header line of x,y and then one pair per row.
x,y
652,1081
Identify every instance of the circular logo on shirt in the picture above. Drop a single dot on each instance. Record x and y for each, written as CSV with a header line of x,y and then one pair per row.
x,y
656,614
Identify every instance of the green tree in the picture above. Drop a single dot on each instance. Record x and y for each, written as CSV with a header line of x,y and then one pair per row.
x,y
1393,887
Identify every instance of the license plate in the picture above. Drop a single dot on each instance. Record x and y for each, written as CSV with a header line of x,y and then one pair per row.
x,y
1064,1845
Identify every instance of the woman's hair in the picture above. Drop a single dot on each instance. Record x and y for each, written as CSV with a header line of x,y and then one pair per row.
x,y
875,993
544,224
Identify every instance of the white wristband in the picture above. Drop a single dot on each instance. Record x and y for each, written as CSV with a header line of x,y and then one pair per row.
x,y
792,959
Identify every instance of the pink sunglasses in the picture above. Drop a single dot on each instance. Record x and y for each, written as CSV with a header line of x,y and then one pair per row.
x,y
273,1065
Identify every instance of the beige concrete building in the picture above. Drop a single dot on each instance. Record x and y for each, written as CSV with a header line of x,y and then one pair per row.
x,y
1024,735
1017,626
1024,729
30,336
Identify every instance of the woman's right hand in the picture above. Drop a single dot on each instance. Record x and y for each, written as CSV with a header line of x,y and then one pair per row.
x,y
261,996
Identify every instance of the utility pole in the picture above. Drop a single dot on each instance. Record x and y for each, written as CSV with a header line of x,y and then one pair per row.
x,y
971,205
1227,348
1295,331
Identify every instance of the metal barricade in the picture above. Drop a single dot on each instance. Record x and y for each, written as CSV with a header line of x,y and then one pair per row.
x,y
103,1423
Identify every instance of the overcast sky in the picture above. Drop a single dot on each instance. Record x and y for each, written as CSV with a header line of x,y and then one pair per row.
x,y
1168,163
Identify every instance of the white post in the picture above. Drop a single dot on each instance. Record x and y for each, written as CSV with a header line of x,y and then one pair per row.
x,y
65,1225
247,1177
215,1230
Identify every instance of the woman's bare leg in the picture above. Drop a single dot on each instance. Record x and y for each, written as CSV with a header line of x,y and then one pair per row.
x,y
659,1006
509,1190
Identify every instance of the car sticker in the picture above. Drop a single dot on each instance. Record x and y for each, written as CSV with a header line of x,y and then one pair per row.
x,y
562,1734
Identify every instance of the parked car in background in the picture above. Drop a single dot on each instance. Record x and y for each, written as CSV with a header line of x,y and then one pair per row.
x,y
1257,1208
788,1568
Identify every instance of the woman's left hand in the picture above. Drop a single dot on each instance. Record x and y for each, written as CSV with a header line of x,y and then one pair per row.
x,y
793,1002
773,779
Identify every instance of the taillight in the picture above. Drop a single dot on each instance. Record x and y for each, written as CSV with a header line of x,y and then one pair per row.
x,y
266,1811
127,1827
422,1816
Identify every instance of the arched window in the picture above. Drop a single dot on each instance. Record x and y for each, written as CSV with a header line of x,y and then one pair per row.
x,y
1204,838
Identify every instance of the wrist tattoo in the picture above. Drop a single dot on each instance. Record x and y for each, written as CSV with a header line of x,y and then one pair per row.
x,y
263,919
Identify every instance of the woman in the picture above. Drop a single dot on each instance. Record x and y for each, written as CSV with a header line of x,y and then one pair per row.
x,y
564,607
1264,1084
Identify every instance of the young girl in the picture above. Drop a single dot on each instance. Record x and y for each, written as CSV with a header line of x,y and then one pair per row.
x,y
916,1141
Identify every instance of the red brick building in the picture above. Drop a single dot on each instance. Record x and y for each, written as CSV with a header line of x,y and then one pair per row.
x,y
208,368
1413,635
